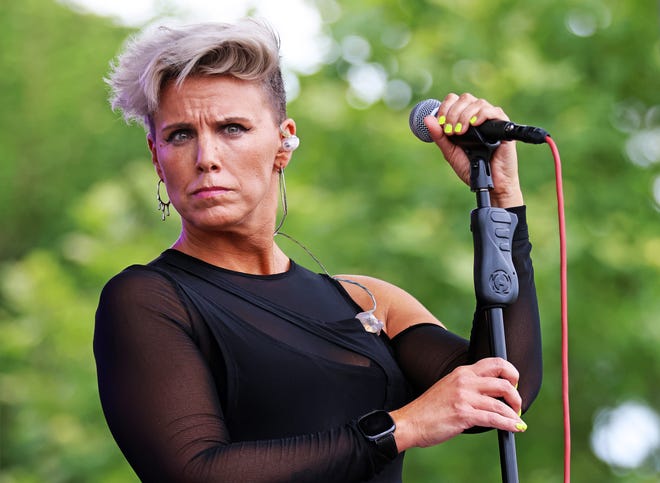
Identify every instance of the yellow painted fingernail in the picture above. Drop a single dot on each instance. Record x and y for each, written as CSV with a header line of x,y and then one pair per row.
x,y
448,128
442,120
473,119
521,426
458,128
519,412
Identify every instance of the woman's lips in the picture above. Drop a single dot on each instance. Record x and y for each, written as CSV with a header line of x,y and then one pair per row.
x,y
209,192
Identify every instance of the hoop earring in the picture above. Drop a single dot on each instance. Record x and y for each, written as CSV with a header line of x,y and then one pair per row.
x,y
285,206
163,206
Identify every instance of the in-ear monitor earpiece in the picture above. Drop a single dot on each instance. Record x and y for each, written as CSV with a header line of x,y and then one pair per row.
x,y
290,141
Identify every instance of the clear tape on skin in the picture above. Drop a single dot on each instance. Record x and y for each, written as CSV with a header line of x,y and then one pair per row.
x,y
367,318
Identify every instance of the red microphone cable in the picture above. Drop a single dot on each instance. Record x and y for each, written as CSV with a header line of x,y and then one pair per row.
x,y
564,310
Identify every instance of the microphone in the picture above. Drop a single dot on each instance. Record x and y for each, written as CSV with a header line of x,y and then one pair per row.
x,y
491,131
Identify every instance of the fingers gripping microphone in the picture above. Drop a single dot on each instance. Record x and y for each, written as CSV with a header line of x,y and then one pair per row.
x,y
491,131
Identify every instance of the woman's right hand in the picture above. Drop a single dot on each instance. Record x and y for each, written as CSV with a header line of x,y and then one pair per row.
x,y
482,394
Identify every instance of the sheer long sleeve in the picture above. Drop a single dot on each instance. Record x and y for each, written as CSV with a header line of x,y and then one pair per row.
x,y
163,407
427,352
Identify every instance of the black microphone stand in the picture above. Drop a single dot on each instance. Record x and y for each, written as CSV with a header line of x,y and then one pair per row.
x,y
495,279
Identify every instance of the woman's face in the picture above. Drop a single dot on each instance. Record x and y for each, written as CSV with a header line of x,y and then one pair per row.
x,y
217,147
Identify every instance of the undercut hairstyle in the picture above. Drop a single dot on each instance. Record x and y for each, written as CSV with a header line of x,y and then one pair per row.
x,y
247,50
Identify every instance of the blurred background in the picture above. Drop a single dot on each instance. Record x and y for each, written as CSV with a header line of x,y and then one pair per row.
x,y
78,196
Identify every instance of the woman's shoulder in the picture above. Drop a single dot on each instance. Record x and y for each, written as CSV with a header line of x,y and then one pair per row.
x,y
141,293
396,307
138,285
377,286
135,276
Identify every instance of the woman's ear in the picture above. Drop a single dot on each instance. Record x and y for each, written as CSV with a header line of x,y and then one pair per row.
x,y
154,155
290,142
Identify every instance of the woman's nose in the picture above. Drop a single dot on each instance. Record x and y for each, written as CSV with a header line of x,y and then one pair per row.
x,y
208,154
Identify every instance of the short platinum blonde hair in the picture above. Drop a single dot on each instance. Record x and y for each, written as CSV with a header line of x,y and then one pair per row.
x,y
248,50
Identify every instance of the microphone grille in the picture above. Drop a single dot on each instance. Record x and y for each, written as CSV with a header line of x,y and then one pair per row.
x,y
417,115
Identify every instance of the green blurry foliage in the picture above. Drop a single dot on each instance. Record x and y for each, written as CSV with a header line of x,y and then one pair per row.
x,y
57,134
364,195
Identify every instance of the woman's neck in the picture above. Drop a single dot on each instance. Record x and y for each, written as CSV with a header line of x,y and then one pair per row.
x,y
253,255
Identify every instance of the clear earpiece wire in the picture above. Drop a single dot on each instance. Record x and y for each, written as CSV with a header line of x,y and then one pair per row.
x,y
369,321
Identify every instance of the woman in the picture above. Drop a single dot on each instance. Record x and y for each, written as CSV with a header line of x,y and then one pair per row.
x,y
223,360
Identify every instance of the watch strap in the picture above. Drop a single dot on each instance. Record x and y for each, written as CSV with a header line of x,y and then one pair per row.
x,y
387,445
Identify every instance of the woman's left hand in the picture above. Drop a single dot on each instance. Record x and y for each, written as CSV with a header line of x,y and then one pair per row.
x,y
455,116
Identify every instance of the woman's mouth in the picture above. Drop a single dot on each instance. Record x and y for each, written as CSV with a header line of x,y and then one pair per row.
x,y
209,191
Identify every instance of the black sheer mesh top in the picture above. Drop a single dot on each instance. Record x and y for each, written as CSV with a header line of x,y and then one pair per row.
x,y
211,375
207,379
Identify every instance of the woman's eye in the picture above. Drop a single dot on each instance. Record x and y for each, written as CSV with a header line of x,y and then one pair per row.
x,y
178,137
234,129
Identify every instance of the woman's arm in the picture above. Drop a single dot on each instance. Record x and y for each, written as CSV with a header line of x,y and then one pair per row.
x,y
454,377
455,396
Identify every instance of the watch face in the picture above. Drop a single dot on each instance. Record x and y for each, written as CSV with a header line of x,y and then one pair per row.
x,y
376,424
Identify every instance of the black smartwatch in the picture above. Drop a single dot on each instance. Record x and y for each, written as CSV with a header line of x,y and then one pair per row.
x,y
378,426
